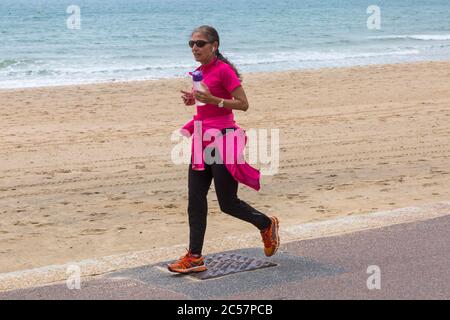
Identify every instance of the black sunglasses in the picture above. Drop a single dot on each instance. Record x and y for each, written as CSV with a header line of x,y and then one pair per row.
x,y
199,43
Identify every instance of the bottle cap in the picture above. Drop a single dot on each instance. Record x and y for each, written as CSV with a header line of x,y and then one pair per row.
x,y
197,75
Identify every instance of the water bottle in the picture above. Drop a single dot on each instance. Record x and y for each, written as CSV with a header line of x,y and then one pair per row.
x,y
197,78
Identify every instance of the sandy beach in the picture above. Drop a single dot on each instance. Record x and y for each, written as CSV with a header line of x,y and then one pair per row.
x,y
85,170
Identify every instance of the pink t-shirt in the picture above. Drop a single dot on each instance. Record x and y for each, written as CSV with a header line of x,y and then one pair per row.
x,y
221,81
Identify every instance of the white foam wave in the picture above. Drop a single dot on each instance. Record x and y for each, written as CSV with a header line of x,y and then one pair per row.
x,y
423,37
312,56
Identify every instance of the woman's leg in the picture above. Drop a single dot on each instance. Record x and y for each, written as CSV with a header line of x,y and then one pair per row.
x,y
226,190
198,183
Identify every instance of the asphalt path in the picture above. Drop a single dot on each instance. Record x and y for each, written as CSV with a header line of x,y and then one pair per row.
x,y
405,261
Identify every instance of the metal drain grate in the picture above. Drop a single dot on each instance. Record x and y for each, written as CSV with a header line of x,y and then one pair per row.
x,y
221,264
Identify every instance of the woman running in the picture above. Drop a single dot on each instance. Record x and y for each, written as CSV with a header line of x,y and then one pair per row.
x,y
223,93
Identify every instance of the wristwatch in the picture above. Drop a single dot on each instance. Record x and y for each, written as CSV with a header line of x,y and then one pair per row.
x,y
220,105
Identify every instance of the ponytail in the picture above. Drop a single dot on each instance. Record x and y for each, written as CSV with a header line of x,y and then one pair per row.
x,y
222,58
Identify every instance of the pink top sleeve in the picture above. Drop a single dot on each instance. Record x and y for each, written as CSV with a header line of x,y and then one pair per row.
x,y
230,81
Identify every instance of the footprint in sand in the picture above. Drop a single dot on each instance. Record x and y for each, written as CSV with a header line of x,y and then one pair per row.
x,y
176,222
354,197
319,208
430,184
171,206
49,224
89,232
383,183
63,171
116,198
96,214
345,184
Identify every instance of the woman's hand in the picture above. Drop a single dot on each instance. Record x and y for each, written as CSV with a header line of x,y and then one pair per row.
x,y
205,96
188,98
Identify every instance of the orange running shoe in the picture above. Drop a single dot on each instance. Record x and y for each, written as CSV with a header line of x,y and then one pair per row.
x,y
188,264
271,238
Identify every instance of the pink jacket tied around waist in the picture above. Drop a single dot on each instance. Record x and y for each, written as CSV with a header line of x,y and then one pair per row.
x,y
207,133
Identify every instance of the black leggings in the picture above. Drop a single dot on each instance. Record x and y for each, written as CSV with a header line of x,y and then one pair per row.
x,y
226,189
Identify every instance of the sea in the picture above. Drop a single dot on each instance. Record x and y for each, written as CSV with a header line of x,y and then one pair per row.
x,y
59,42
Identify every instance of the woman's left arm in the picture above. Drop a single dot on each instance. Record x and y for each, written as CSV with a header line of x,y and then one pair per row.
x,y
239,102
